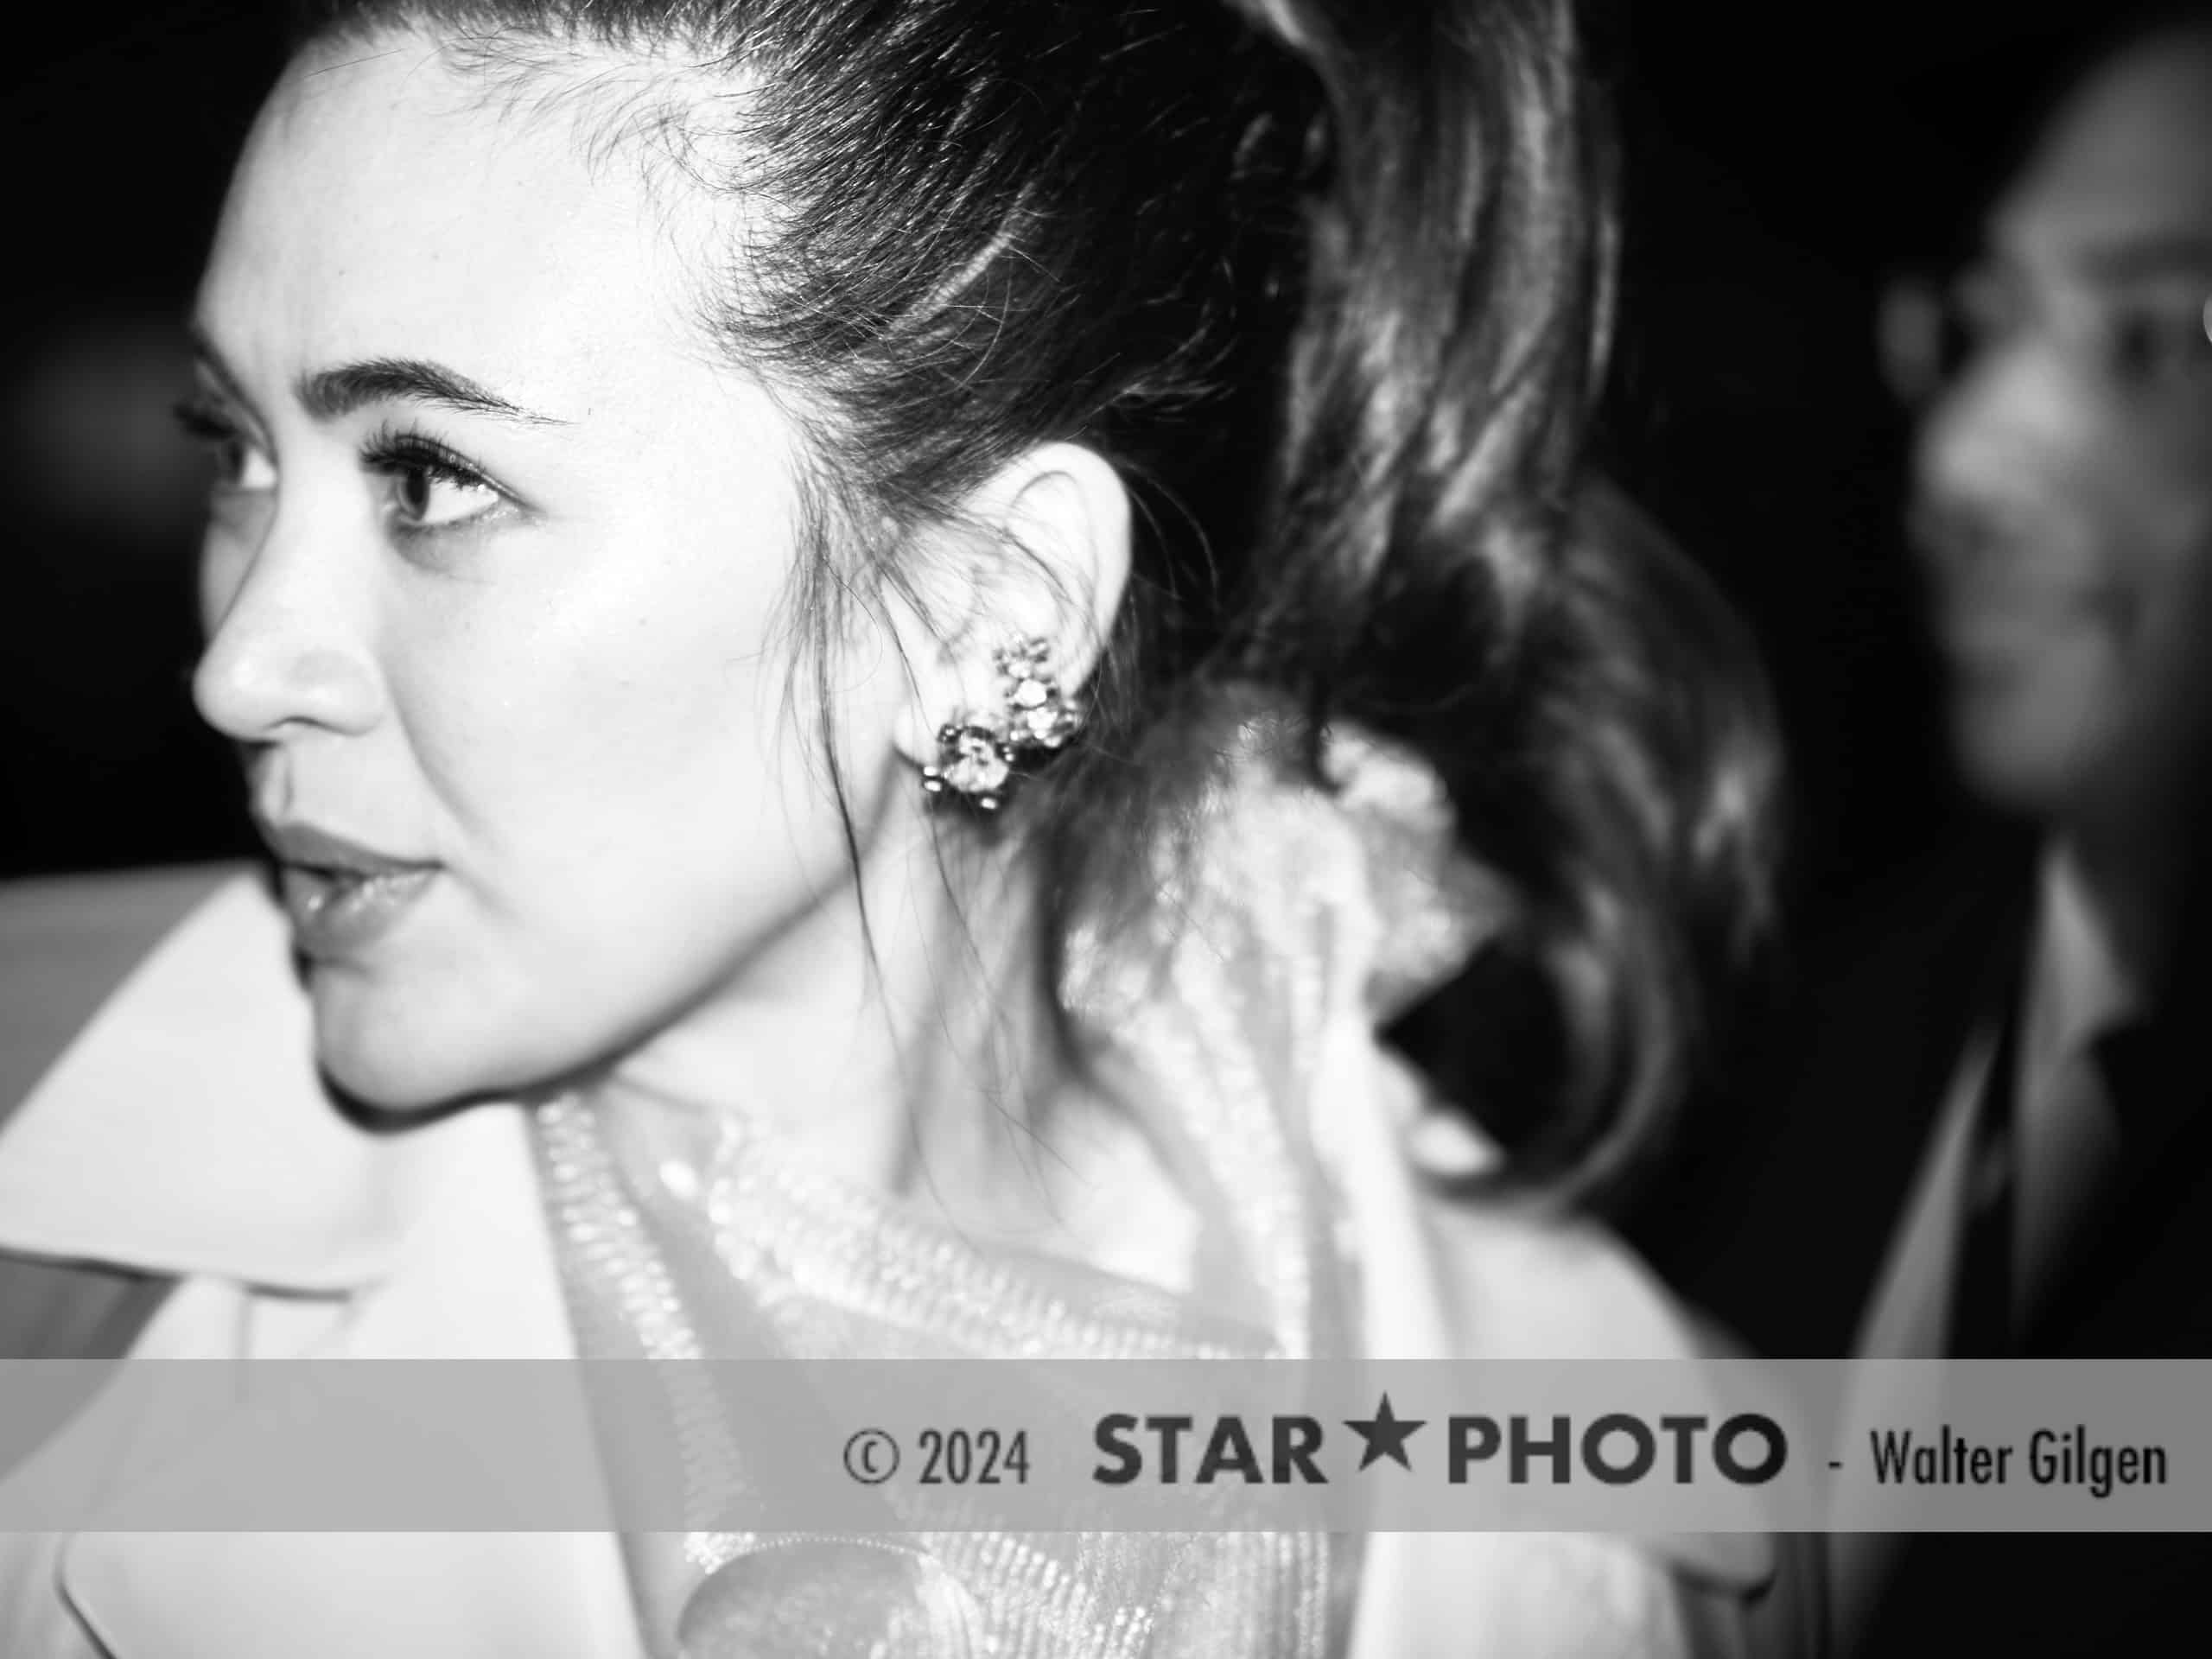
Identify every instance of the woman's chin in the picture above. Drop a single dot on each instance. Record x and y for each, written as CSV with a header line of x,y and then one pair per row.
x,y
405,1043
398,1068
414,1068
390,1089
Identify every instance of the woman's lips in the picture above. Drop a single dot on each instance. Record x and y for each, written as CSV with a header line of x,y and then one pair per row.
x,y
340,912
343,896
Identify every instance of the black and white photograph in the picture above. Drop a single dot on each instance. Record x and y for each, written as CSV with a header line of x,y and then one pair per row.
x,y
1446,721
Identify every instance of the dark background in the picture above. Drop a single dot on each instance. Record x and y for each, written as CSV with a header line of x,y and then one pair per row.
x,y
1780,160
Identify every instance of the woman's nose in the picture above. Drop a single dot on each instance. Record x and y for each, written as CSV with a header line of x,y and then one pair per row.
x,y
287,649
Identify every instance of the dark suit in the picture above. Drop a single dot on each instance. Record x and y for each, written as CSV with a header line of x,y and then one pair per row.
x,y
1794,1222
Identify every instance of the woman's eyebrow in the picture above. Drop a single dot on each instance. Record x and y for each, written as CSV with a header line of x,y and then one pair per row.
x,y
327,394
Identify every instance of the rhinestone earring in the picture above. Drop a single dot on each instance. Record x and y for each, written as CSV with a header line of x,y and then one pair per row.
x,y
976,754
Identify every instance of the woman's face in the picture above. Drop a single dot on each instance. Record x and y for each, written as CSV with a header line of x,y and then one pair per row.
x,y
492,586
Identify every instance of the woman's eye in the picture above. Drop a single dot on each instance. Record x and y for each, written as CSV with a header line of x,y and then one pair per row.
x,y
427,489
241,466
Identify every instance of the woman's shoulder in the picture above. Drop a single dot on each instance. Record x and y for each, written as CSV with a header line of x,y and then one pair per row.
x,y
1459,1274
1522,1281
1512,1276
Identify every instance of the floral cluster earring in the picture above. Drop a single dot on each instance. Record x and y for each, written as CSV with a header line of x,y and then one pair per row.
x,y
978,752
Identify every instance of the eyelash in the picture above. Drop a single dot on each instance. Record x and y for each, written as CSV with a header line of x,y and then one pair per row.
x,y
392,453
206,424
204,421
389,452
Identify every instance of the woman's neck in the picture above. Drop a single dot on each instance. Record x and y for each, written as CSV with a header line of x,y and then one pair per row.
x,y
914,1052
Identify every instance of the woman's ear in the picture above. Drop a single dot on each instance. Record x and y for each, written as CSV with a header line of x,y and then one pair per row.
x,y
1039,551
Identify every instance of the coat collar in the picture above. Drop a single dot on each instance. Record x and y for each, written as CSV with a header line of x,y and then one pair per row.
x,y
474,1278
185,1130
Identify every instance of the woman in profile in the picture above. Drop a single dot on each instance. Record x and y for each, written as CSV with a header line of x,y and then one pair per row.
x,y
856,631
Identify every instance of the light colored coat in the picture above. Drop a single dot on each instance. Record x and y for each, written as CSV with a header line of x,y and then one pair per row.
x,y
182,1131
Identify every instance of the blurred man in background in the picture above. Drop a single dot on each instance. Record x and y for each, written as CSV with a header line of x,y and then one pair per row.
x,y
1991,1136
2064,511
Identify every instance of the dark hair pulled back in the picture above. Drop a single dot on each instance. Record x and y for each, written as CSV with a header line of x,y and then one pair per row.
x,y
1328,283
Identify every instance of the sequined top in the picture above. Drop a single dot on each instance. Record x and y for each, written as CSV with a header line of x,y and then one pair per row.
x,y
1279,934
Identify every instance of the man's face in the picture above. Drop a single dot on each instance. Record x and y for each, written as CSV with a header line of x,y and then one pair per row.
x,y
2065,477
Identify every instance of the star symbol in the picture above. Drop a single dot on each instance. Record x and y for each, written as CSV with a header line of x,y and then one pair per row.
x,y
1386,1436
